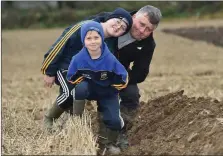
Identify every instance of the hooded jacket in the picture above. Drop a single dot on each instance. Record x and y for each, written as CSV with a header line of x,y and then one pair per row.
x,y
105,71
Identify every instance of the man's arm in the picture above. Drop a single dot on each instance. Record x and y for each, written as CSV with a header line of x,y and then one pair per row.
x,y
141,65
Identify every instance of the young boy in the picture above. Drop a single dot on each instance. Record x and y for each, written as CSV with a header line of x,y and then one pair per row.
x,y
99,76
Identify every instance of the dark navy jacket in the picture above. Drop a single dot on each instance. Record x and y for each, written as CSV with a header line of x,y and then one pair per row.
x,y
139,53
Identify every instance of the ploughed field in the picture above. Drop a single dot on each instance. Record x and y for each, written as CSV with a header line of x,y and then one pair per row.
x,y
181,99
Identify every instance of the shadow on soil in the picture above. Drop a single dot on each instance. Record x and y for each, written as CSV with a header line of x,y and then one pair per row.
x,y
209,34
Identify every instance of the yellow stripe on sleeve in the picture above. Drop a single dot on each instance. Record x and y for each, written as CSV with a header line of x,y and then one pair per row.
x,y
78,80
121,86
58,47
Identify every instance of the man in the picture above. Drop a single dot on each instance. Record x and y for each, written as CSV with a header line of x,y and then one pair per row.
x,y
136,47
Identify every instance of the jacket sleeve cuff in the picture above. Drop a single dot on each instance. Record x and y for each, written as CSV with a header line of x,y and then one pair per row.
x,y
51,74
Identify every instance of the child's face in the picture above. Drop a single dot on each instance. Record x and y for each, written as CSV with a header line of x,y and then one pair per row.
x,y
93,41
116,27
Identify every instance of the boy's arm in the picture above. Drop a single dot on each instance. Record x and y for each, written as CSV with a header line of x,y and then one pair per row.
x,y
121,79
73,76
50,64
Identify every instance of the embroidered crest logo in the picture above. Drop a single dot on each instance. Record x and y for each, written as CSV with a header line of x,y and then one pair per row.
x,y
104,76
139,48
86,76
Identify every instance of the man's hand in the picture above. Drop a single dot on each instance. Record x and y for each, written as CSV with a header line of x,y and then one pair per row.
x,y
49,81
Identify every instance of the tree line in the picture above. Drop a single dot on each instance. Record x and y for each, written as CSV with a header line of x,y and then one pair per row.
x,y
61,13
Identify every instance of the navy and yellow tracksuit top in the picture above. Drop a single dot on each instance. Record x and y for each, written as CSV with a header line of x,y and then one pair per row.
x,y
105,71
60,54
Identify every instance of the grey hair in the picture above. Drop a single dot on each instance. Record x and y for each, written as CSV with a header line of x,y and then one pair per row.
x,y
153,13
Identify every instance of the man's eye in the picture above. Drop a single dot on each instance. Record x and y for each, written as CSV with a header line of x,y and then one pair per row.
x,y
118,21
148,30
142,24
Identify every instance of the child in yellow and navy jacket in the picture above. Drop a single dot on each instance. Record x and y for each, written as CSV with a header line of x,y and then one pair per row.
x,y
98,75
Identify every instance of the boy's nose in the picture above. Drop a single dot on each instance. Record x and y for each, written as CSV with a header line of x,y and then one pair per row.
x,y
118,26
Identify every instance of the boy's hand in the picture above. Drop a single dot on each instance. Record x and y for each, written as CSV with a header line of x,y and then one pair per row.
x,y
49,81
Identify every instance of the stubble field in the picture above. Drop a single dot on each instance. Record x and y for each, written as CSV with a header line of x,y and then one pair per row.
x,y
170,121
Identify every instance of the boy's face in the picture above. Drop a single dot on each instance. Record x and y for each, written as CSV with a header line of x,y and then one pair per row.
x,y
93,41
141,27
116,27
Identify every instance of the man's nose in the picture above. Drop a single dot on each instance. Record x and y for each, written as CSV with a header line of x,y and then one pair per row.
x,y
142,30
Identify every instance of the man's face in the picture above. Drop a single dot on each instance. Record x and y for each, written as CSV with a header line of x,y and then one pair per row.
x,y
93,41
116,27
141,27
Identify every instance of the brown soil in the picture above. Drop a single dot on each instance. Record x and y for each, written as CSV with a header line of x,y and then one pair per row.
x,y
209,34
175,124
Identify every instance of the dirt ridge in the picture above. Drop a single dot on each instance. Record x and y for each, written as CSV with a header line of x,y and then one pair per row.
x,y
177,124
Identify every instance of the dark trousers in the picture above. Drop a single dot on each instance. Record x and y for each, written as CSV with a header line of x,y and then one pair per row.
x,y
107,100
64,99
129,105
130,96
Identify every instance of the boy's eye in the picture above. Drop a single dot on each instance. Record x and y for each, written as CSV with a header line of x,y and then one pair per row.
x,y
118,21
124,28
